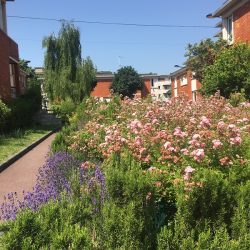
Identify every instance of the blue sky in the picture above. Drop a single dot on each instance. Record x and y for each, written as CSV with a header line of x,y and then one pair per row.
x,y
147,49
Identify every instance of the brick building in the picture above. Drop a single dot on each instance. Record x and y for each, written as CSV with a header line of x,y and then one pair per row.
x,y
235,24
235,28
9,58
183,83
105,79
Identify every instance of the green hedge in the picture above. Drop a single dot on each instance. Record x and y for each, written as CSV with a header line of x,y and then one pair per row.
x,y
4,116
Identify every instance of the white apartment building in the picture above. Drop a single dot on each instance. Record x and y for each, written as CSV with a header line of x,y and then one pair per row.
x,y
161,87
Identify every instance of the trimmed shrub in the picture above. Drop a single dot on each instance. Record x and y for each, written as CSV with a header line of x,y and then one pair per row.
x,y
4,116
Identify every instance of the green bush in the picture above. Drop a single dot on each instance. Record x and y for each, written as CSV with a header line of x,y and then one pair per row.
x,y
64,110
57,225
214,202
237,98
22,112
4,116
136,211
25,107
121,228
60,143
230,72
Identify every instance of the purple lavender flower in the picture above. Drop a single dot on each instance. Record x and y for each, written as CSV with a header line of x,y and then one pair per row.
x,y
54,178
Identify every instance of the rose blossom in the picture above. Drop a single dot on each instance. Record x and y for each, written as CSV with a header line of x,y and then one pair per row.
x,y
138,140
236,140
205,122
185,151
167,145
178,132
196,136
188,171
198,154
216,143
221,125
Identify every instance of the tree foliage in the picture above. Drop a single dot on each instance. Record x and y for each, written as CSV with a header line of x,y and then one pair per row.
x,y
200,55
126,81
66,74
33,88
230,72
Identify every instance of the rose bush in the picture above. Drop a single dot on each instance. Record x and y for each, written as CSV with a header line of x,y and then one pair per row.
x,y
175,174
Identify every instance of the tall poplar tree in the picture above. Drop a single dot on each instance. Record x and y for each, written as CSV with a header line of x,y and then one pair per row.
x,y
65,74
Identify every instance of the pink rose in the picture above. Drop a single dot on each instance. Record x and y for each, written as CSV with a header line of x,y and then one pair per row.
x,y
236,140
205,122
189,169
198,154
167,144
216,143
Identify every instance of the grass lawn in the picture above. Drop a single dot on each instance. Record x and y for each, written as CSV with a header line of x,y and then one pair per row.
x,y
13,143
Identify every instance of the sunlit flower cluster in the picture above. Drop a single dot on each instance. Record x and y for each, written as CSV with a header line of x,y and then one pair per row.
x,y
166,133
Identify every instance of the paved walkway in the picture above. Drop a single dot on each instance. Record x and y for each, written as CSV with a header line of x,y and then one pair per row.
x,y
21,175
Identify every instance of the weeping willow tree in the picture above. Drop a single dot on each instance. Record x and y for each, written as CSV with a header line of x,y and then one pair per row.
x,y
66,74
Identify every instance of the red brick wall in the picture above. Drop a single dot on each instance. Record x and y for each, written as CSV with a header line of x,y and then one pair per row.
x,y
8,48
146,88
242,24
185,89
102,88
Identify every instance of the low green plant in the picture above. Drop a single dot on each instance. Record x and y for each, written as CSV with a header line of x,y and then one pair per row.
x,y
64,110
60,143
4,116
57,225
237,98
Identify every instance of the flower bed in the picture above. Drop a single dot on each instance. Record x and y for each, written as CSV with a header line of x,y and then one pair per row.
x,y
171,175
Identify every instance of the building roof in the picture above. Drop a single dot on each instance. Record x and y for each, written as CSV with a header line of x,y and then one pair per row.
x,y
104,75
228,5
179,71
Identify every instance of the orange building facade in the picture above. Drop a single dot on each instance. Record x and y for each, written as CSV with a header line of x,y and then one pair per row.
x,y
183,83
105,79
235,21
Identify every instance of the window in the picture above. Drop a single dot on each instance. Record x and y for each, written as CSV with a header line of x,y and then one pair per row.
x,y
183,80
194,96
12,80
229,28
152,83
175,82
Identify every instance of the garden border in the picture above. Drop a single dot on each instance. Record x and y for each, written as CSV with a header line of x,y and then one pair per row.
x,y
18,155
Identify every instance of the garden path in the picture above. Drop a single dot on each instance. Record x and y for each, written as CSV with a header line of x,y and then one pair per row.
x,y
21,175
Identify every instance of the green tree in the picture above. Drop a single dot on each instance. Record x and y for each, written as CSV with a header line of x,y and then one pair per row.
x,y
126,81
230,72
33,90
65,71
200,55
86,80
